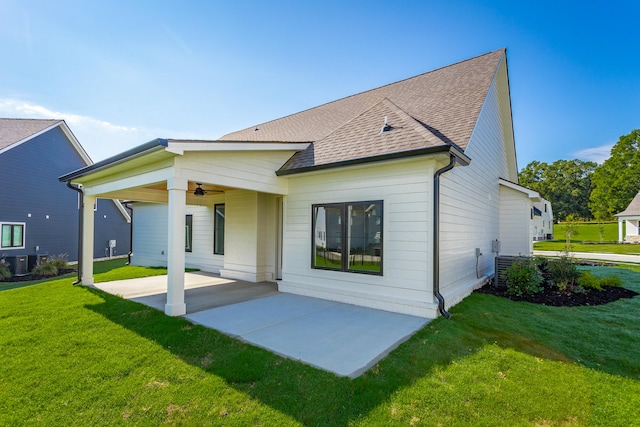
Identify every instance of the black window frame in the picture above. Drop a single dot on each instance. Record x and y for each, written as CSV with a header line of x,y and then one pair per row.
x,y
188,225
12,225
216,230
343,236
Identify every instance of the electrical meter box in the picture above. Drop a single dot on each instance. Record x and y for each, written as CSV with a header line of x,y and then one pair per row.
x,y
112,243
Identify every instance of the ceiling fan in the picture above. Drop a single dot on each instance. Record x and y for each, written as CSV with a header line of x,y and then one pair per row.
x,y
199,191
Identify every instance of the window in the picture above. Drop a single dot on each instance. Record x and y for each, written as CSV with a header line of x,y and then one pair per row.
x,y
348,237
12,235
188,233
218,230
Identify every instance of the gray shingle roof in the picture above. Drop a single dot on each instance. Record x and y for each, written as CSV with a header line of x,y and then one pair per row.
x,y
15,130
437,108
633,209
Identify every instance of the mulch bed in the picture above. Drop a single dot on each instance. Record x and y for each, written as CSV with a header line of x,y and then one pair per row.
x,y
556,298
30,277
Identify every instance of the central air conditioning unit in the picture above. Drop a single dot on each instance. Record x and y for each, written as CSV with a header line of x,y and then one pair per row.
x,y
18,265
502,263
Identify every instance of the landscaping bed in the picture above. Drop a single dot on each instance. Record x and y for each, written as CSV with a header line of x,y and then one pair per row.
x,y
31,276
556,298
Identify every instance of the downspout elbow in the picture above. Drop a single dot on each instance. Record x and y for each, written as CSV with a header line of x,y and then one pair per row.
x,y
436,235
80,230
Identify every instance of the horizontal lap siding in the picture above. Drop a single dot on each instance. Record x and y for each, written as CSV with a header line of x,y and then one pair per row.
x,y
251,171
515,214
404,188
470,202
150,236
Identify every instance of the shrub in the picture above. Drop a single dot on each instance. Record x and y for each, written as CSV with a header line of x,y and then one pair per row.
x,y
4,270
523,278
613,281
588,281
45,269
563,273
59,261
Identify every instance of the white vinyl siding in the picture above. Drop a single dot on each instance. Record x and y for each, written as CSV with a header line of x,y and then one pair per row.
x,y
150,236
515,210
470,199
404,187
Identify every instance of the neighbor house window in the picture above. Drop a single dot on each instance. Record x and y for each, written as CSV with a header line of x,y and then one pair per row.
x,y
188,233
218,230
348,237
12,236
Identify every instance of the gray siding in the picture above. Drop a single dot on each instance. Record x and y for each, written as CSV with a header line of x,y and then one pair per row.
x,y
30,191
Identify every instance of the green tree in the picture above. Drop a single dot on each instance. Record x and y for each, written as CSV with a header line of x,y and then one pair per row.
x,y
565,183
617,180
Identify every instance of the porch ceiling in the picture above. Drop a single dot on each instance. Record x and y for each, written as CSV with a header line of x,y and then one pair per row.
x,y
157,193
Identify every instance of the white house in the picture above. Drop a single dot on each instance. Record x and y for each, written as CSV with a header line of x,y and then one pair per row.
x,y
630,216
541,220
391,198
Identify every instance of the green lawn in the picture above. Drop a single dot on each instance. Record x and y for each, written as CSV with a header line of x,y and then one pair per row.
x,y
588,240
78,356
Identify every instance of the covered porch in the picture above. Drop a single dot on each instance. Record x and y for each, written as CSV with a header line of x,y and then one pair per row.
x,y
203,290
178,173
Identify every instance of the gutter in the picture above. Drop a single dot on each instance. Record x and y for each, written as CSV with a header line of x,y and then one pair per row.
x,y
126,205
80,230
436,234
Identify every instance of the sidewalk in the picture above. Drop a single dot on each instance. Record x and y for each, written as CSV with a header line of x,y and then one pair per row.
x,y
592,256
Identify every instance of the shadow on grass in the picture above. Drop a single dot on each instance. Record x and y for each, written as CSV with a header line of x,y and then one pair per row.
x,y
316,397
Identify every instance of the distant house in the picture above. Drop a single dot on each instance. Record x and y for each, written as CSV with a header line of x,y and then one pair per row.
x,y
392,198
541,220
38,214
631,217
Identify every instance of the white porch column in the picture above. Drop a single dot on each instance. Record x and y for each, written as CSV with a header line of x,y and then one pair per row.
x,y
175,305
619,230
87,240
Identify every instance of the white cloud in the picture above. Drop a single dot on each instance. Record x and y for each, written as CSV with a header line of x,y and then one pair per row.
x,y
101,139
596,154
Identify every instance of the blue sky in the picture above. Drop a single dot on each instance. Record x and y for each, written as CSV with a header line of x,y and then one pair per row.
x,y
124,72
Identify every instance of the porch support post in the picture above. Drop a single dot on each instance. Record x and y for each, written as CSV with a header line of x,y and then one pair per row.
x,y
87,240
175,305
619,230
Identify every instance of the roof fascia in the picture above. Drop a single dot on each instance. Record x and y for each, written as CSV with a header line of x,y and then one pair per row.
x,y
180,146
463,159
76,144
22,141
151,146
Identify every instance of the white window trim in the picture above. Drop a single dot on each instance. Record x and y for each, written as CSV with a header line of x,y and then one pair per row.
x,y
24,235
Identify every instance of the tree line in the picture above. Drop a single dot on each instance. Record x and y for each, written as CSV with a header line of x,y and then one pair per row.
x,y
586,190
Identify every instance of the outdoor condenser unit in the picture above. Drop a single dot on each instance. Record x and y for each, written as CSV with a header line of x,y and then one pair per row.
x,y
18,265
502,263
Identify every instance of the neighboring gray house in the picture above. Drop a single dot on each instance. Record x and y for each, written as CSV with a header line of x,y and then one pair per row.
x,y
630,216
38,214
398,198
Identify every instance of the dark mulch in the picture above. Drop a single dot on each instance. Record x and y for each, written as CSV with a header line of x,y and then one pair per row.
x,y
30,277
556,298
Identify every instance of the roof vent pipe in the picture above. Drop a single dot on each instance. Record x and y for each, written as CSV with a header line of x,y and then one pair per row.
x,y
80,230
436,235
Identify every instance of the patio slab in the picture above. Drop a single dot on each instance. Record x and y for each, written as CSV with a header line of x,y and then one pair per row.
x,y
202,290
341,338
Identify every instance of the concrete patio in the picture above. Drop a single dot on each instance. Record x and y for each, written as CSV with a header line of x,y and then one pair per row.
x,y
341,338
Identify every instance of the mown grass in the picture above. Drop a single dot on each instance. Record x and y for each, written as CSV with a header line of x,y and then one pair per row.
x,y
588,239
78,356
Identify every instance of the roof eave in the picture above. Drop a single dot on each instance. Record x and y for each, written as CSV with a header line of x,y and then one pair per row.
x,y
463,159
138,151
